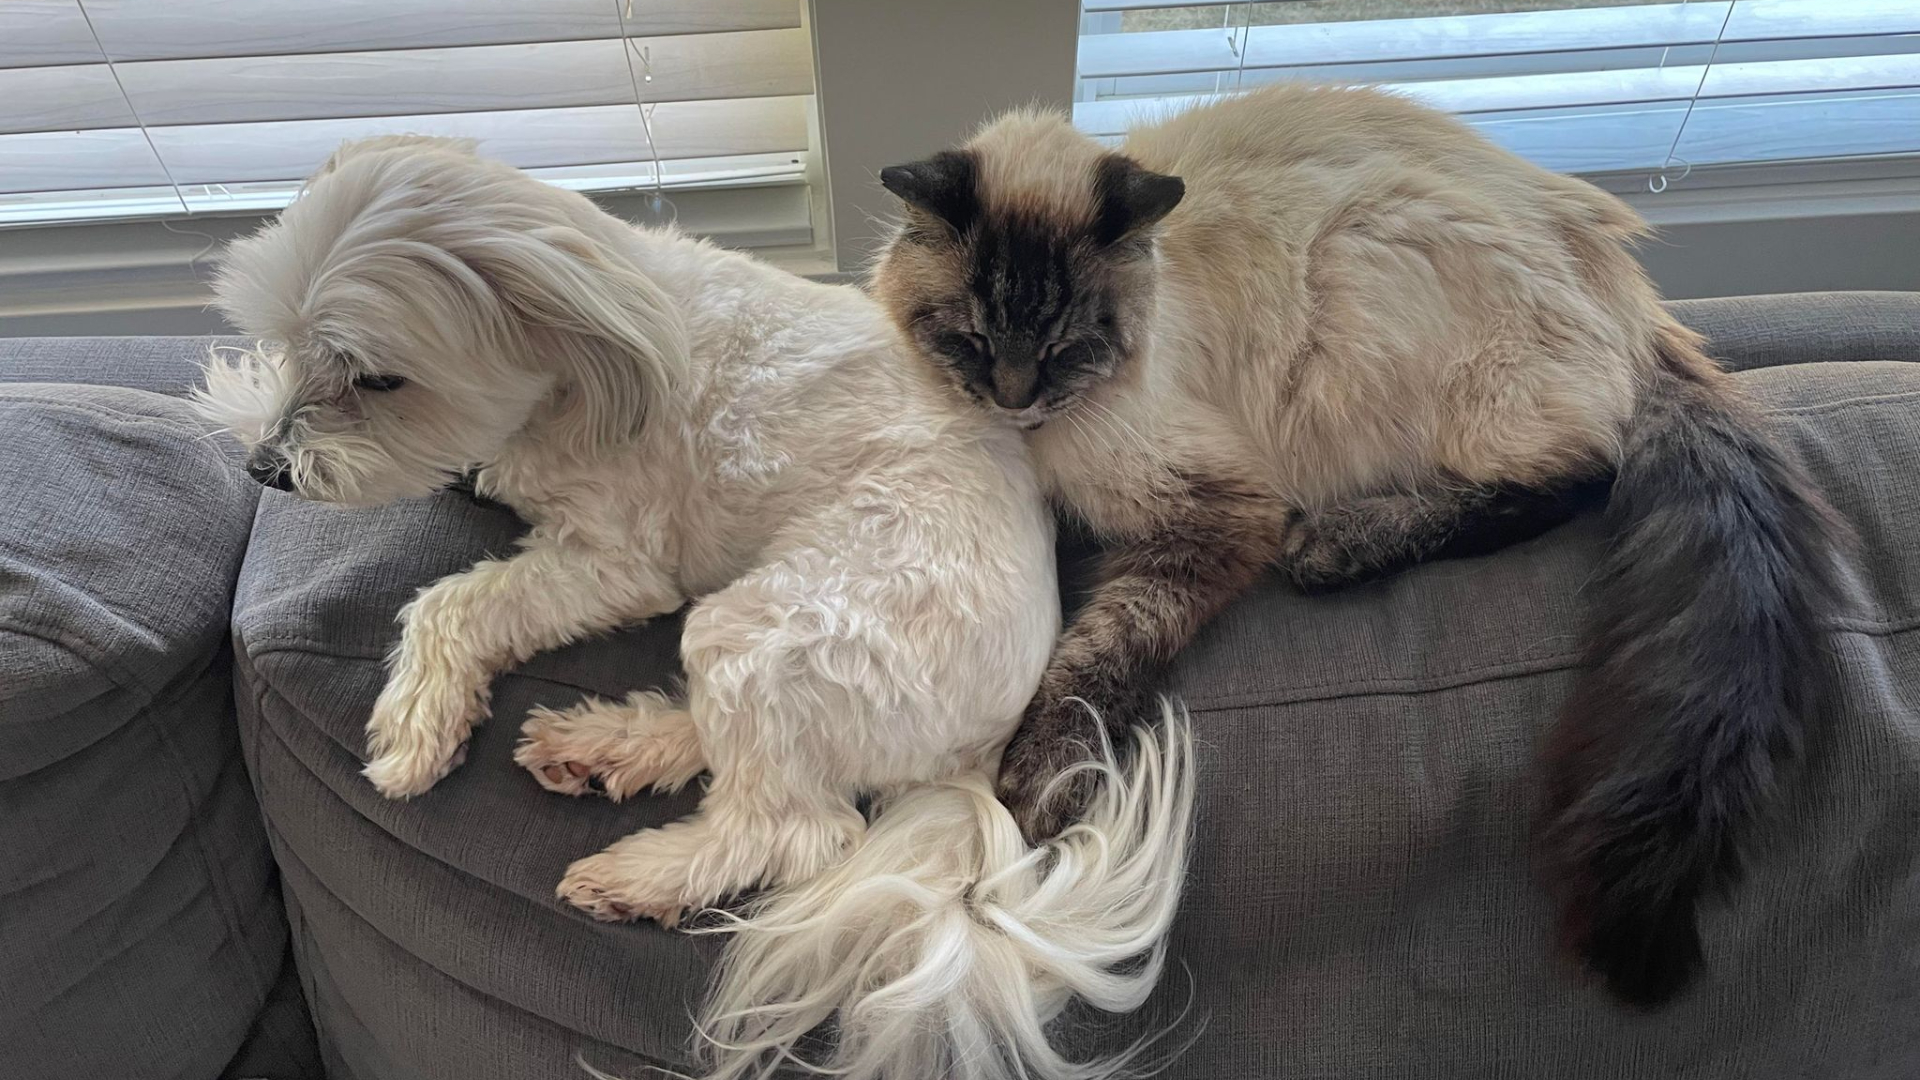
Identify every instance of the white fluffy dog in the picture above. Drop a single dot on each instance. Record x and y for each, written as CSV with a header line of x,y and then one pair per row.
x,y
870,560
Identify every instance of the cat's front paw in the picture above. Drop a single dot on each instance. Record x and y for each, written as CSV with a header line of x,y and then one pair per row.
x,y
1043,778
418,733
1318,554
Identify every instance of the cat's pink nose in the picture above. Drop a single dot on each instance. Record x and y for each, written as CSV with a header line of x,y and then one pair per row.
x,y
1015,388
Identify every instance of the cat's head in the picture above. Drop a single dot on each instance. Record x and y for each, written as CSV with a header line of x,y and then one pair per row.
x,y
1024,265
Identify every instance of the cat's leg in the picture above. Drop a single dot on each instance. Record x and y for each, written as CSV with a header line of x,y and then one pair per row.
x,y
1152,592
1373,536
463,629
617,748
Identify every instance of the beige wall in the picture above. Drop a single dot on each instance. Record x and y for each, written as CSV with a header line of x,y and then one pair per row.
x,y
899,79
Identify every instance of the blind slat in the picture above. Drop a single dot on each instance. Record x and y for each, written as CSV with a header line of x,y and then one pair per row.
x,y
471,79
238,153
1762,20
1852,74
288,151
179,29
221,106
44,32
52,98
1170,51
1752,20
1609,89
73,160
1827,74
1868,124
1717,133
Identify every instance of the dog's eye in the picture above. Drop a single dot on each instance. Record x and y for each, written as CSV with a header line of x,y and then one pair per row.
x,y
378,383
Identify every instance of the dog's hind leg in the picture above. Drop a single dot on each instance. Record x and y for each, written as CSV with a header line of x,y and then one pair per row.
x,y
618,748
743,835
463,629
791,683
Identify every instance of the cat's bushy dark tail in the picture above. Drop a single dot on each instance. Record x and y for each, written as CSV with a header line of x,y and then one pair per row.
x,y
1704,674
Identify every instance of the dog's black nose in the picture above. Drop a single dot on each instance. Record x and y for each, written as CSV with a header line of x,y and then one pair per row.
x,y
270,472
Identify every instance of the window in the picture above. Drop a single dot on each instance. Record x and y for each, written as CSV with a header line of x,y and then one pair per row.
x,y
135,108
1652,92
137,135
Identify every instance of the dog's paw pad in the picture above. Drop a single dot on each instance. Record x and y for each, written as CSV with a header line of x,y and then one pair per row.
x,y
607,750
607,904
555,769
598,904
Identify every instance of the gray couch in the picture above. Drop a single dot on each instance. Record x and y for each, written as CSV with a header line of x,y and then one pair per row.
x,y
194,882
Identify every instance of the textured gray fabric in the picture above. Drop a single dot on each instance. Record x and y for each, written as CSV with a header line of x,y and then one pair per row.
x,y
1747,332
140,927
430,941
163,365
1359,905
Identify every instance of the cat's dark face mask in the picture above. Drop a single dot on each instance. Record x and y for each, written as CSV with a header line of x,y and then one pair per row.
x,y
1027,312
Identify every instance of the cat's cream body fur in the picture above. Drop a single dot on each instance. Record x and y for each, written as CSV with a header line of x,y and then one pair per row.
x,y
1334,331
1352,298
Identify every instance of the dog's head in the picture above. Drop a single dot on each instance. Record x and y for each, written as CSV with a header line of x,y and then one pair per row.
x,y
417,309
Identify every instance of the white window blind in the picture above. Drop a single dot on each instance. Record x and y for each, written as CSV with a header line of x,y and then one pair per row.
x,y
1668,90
123,108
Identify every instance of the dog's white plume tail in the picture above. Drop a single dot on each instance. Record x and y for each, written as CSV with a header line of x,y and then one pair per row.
x,y
944,945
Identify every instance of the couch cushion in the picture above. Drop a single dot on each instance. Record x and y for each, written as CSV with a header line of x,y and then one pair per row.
x,y
428,933
1359,904
1362,903
140,928
163,365
1746,332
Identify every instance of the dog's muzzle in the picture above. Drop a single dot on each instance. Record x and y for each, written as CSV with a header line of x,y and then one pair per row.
x,y
269,470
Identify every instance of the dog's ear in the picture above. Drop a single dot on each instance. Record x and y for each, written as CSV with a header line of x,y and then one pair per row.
x,y
608,331
353,149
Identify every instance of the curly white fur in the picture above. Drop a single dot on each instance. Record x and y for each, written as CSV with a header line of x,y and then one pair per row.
x,y
944,945
869,559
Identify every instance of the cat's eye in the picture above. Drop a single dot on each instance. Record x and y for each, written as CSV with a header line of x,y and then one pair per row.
x,y
1052,349
378,383
977,343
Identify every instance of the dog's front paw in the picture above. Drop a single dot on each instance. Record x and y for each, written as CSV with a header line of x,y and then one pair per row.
x,y
1043,778
615,748
405,773
418,734
607,887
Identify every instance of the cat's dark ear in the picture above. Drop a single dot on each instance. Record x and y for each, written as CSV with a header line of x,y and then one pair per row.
x,y
1131,198
942,185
